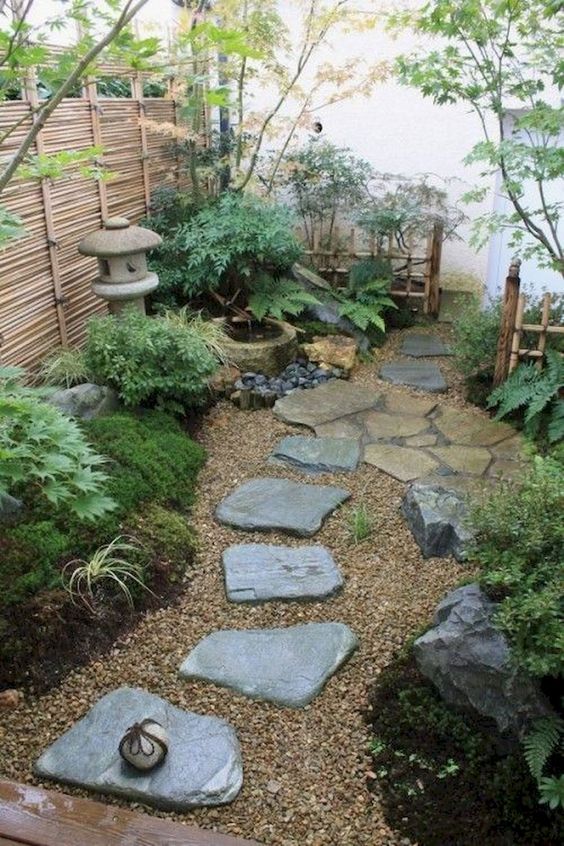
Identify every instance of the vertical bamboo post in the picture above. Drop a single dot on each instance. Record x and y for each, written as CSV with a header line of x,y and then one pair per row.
x,y
508,317
432,303
409,264
547,299
96,126
33,99
516,340
137,90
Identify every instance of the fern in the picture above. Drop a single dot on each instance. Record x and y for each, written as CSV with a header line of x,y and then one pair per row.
x,y
278,298
537,393
541,742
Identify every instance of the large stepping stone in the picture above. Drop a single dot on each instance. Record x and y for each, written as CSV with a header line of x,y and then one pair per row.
x,y
463,427
345,427
327,402
257,572
464,459
403,463
286,666
203,765
279,504
381,425
318,455
416,374
418,346
404,403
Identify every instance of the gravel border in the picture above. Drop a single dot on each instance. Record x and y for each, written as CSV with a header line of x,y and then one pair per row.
x,y
305,771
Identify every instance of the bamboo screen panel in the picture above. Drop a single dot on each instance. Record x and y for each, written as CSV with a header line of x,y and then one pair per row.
x,y
45,284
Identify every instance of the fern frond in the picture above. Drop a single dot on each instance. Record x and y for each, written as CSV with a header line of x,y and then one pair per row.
x,y
362,315
278,298
541,742
556,423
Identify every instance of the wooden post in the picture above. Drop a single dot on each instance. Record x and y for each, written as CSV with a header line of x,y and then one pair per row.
x,y
516,340
432,303
544,325
96,124
509,313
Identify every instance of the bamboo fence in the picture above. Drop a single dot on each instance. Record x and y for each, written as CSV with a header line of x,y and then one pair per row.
x,y
416,266
45,285
510,350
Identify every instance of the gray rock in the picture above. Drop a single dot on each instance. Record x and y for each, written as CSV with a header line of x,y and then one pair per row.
x,y
327,402
469,662
10,508
203,765
85,401
280,504
318,455
286,666
257,572
416,374
437,516
417,345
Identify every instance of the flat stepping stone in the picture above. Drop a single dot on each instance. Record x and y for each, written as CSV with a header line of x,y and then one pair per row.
x,y
279,504
423,375
344,427
421,440
463,427
419,346
318,455
327,402
256,572
203,765
464,459
403,403
381,425
403,463
286,666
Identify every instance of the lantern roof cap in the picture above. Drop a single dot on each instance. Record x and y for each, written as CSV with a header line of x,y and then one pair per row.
x,y
118,238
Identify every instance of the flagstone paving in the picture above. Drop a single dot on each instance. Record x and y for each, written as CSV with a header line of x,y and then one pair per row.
x,y
424,375
419,346
287,666
257,572
318,455
400,462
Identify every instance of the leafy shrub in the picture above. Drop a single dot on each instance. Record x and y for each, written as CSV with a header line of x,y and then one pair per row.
x,y
366,296
476,333
212,333
537,393
65,366
519,539
42,449
278,298
150,360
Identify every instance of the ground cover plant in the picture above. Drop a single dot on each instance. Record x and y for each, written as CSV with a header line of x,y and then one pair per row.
x,y
152,469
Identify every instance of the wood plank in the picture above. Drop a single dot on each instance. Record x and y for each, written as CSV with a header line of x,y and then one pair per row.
x,y
37,817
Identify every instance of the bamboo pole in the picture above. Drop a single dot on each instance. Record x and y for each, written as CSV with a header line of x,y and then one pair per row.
x,y
433,300
541,346
91,90
508,317
516,340
137,91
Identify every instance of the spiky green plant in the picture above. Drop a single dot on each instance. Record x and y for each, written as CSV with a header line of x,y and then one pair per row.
x,y
537,392
361,524
545,738
210,332
366,296
106,566
65,366
278,298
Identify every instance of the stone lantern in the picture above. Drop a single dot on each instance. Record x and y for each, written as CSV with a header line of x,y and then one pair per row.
x,y
123,275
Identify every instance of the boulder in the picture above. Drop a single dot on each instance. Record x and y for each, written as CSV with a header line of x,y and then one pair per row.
x,y
85,401
10,508
223,382
436,516
332,351
470,663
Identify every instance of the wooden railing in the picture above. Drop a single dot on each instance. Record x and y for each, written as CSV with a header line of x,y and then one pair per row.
x,y
416,266
510,350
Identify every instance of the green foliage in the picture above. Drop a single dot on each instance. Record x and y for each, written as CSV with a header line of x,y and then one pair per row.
x,y
107,569
166,533
366,296
278,298
11,227
541,742
210,332
42,449
476,333
230,243
309,329
551,789
537,393
501,59
360,524
519,535
150,360
64,367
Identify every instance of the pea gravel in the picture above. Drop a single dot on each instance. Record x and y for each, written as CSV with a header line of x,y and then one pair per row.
x,y
317,758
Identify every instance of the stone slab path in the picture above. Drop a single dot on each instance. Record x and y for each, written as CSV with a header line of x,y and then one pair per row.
x,y
424,375
203,765
288,667
420,346
279,504
318,455
256,572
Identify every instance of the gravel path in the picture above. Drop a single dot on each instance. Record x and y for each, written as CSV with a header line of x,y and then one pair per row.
x,y
305,770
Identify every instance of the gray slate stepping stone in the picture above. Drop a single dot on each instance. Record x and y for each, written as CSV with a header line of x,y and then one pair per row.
x,y
472,428
279,504
327,402
424,375
403,463
286,666
318,455
256,572
464,459
344,427
203,765
418,346
381,425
